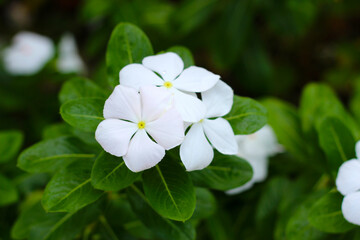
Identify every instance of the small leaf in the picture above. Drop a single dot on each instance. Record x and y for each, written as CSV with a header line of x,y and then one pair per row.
x,y
162,228
51,155
56,130
225,172
10,144
84,113
128,44
246,116
326,214
70,189
8,192
110,173
185,55
337,142
169,190
79,87
205,204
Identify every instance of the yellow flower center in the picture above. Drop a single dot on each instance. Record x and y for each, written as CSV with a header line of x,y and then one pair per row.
x,y
201,120
141,125
168,84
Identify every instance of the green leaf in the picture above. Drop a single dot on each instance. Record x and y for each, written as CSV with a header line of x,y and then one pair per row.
x,y
110,173
70,189
337,142
185,55
162,228
51,155
8,192
79,87
128,44
224,173
205,204
84,113
169,190
326,214
246,116
56,130
10,144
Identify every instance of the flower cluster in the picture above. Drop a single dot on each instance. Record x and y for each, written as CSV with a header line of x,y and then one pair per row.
x,y
348,184
256,148
155,103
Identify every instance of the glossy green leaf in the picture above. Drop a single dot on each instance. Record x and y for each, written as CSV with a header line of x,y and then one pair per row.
x,y
162,228
10,144
79,87
128,44
110,173
337,142
246,116
326,214
8,192
205,204
84,113
51,155
169,190
70,189
185,55
224,173
56,130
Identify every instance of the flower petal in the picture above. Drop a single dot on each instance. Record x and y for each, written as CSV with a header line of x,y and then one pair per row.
x,y
196,79
123,103
351,208
260,168
190,108
357,149
143,153
168,65
218,100
241,189
196,152
136,75
114,135
155,101
168,130
220,135
348,178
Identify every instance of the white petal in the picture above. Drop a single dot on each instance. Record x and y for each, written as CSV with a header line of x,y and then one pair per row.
x,y
351,208
136,75
357,150
69,60
260,168
220,135
143,153
190,108
218,100
348,178
155,101
123,103
196,79
168,65
241,189
168,130
114,136
196,152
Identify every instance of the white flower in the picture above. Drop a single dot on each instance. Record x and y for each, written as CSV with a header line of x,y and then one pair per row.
x,y
69,60
131,117
256,148
28,53
348,184
167,71
196,152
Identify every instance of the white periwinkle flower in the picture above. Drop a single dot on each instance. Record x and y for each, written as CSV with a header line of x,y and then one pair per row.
x,y
131,117
167,70
256,148
28,53
196,152
69,60
348,184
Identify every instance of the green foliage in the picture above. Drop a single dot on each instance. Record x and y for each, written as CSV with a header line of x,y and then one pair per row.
x,y
169,190
110,173
205,204
246,116
8,192
127,44
70,189
224,173
10,143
